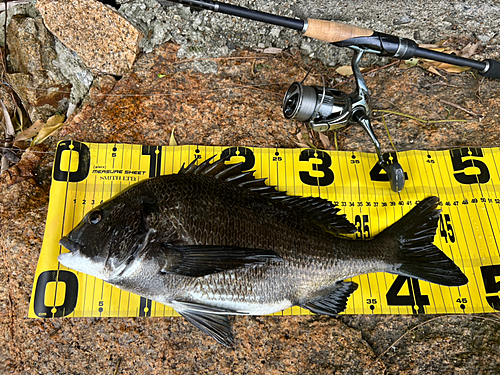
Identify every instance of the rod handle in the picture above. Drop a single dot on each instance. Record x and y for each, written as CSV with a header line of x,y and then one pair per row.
x,y
493,69
332,32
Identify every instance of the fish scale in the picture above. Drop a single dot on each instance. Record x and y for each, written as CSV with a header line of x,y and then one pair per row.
x,y
211,242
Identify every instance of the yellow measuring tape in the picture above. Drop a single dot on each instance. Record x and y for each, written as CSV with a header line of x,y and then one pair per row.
x,y
465,179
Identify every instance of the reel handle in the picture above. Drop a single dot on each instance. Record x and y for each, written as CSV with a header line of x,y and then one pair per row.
x,y
332,32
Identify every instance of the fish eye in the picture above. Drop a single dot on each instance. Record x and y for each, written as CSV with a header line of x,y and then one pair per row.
x,y
95,217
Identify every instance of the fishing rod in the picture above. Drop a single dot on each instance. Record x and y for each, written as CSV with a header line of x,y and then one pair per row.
x,y
330,109
344,35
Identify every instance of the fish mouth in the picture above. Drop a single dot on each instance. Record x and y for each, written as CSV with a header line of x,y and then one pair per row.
x,y
70,245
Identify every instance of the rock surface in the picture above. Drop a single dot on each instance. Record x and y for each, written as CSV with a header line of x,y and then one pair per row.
x,y
104,40
41,85
163,93
239,105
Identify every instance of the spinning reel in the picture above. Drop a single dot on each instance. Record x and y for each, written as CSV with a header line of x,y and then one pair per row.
x,y
330,109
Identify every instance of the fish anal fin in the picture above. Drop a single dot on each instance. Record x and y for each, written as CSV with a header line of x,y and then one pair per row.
x,y
335,302
201,260
215,325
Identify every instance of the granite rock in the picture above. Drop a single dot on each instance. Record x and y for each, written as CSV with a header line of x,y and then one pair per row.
x,y
103,39
162,93
31,72
237,106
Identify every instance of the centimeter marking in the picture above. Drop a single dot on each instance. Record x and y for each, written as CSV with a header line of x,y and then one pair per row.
x,y
466,180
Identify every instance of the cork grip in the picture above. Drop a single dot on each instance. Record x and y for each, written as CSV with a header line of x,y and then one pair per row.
x,y
333,31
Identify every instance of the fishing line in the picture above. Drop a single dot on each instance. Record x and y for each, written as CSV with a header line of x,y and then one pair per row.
x,y
169,93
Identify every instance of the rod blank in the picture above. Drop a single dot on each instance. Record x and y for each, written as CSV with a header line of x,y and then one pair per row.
x,y
347,36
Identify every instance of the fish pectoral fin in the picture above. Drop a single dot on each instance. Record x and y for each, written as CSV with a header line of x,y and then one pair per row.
x,y
214,325
335,302
200,260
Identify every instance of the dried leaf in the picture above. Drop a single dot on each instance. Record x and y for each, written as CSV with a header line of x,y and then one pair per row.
x,y
470,49
32,131
429,46
301,145
441,49
22,118
345,71
9,128
325,141
307,139
172,141
434,71
301,142
53,124
452,68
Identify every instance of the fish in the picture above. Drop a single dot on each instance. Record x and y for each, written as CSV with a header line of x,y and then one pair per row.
x,y
213,241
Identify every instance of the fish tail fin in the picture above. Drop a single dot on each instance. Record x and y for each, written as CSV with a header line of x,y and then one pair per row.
x,y
416,255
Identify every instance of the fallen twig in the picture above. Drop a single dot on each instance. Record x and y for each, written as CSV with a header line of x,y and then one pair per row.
x,y
460,108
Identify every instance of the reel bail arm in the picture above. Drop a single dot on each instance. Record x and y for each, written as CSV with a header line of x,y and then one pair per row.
x,y
329,109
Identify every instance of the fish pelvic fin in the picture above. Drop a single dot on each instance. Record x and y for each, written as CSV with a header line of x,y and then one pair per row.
x,y
416,255
217,326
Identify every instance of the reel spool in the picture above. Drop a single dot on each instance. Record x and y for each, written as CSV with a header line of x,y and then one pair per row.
x,y
330,109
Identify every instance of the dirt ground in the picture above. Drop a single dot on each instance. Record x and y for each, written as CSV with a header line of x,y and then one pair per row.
x,y
240,105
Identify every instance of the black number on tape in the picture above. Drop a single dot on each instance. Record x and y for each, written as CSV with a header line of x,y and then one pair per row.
x,y
413,299
326,162
489,274
70,297
77,150
460,165
378,174
446,229
248,154
155,163
362,227
145,307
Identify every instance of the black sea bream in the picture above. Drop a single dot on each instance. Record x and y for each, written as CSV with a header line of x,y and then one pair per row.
x,y
212,241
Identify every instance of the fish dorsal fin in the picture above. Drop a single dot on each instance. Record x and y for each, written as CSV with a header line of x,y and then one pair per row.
x,y
232,174
335,302
321,210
